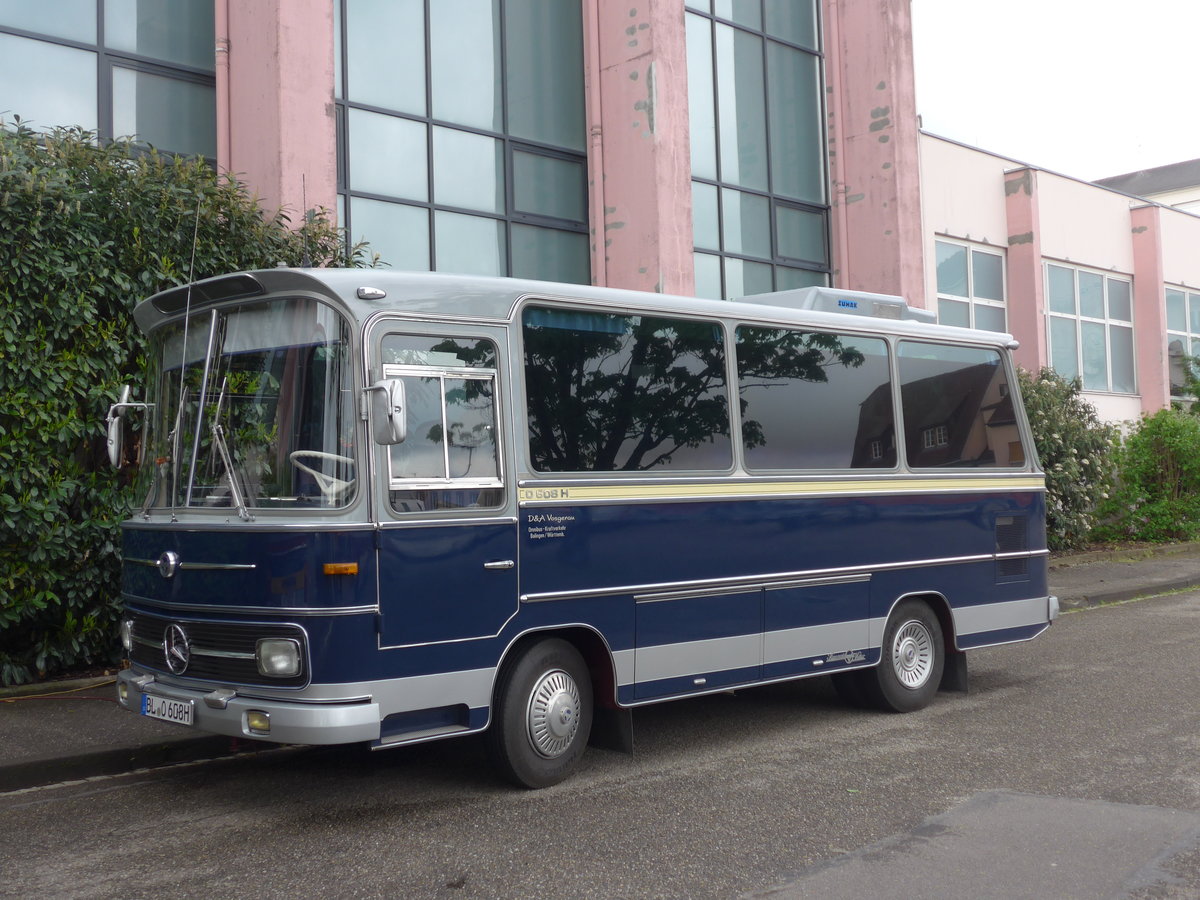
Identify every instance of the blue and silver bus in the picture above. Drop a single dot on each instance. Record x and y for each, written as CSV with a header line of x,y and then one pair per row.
x,y
397,507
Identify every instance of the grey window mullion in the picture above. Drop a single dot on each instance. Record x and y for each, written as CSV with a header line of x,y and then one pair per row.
x,y
104,87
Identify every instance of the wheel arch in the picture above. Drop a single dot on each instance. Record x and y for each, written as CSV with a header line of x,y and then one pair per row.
x,y
940,606
590,643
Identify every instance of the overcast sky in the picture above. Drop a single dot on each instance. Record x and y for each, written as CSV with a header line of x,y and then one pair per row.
x,y
1087,88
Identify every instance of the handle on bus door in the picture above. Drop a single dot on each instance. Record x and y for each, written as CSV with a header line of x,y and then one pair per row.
x,y
499,564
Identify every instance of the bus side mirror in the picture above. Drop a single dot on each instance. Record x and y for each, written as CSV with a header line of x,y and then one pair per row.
x,y
389,422
116,427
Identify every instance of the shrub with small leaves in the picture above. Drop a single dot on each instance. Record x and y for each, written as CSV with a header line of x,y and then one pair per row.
x,y
85,232
1075,449
1157,496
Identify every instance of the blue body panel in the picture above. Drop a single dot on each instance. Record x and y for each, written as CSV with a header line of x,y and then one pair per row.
x,y
441,611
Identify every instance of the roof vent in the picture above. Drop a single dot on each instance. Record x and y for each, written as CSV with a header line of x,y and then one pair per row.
x,y
854,303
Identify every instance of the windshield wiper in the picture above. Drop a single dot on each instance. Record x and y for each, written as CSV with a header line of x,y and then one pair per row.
x,y
218,433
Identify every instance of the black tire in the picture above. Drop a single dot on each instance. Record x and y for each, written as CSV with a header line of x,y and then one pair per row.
x,y
913,657
541,714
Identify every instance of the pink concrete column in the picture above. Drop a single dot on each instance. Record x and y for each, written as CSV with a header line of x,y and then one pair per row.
x,y
1026,287
639,157
276,127
874,148
1149,309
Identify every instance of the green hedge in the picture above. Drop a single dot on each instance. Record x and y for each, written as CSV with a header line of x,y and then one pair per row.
x,y
1157,497
85,233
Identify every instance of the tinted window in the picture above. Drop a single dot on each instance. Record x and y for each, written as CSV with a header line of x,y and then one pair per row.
x,y
631,393
957,407
814,400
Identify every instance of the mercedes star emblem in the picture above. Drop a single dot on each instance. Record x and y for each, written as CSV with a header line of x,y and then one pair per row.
x,y
176,648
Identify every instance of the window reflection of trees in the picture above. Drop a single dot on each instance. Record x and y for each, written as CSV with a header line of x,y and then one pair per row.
x,y
800,394
624,393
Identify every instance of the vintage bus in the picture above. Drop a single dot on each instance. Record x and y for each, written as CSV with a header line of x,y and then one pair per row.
x,y
393,507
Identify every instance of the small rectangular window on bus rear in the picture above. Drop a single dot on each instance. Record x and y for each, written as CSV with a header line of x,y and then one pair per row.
x,y
612,392
957,407
814,400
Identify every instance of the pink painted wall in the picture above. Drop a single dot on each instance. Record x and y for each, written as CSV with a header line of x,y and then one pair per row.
x,y
275,114
1023,265
1149,307
874,148
638,156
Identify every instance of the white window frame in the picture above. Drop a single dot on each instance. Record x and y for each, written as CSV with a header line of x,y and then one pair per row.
x,y
1107,321
969,298
1189,336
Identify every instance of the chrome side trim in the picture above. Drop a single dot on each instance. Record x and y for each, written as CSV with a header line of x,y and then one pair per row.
x,y
263,523
196,566
174,606
772,580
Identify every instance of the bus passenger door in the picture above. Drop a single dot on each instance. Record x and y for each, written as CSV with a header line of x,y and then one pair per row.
x,y
448,533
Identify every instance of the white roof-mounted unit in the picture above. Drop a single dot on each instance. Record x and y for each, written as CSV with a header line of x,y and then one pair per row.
x,y
854,303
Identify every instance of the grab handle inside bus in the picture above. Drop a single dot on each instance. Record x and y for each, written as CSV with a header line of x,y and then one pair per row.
x,y
389,422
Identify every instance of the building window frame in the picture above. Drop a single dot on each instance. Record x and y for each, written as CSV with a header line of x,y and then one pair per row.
x,y
511,217
1080,320
981,310
109,60
717,258
1182,317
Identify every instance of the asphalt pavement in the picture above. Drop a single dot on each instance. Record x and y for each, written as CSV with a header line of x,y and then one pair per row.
x,y
71,730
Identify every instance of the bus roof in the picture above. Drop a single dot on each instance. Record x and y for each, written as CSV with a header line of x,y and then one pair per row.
x,y
365,292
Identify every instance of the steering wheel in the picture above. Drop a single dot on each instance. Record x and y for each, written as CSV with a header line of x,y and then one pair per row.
x,y
330,487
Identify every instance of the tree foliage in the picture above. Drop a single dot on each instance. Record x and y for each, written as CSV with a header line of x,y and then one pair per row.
x,y
85,232
1075,449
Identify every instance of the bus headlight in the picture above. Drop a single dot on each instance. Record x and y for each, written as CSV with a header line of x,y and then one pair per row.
x,y
127,635
277,657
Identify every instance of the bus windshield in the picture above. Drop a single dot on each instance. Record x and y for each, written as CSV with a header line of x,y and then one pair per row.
x,y
255,409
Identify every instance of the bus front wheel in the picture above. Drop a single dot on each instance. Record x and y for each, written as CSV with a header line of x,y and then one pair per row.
x,y
542,714
910,671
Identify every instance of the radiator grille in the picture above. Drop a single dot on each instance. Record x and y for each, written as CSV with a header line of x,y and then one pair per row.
x,y
219,651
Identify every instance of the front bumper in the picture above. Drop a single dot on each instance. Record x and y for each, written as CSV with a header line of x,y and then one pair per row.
x,y
225,712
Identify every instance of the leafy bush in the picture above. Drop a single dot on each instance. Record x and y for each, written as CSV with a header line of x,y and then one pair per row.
x,y
1075,449
85,232
1157,497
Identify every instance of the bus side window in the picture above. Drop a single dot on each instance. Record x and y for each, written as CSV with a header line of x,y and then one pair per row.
x,y
957,407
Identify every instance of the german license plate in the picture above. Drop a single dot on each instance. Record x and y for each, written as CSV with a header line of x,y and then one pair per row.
x,y
177,711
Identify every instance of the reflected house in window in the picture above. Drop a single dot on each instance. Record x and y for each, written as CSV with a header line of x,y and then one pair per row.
x,y
961,416
876,438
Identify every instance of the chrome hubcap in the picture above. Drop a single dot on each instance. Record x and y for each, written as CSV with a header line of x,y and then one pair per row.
x,y
912,654
553,715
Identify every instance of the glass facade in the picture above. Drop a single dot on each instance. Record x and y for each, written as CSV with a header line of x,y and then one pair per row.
x,y
141,68
461,140
759,181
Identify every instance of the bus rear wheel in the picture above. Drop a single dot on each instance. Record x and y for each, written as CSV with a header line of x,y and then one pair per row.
x,y
914,656
542,714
